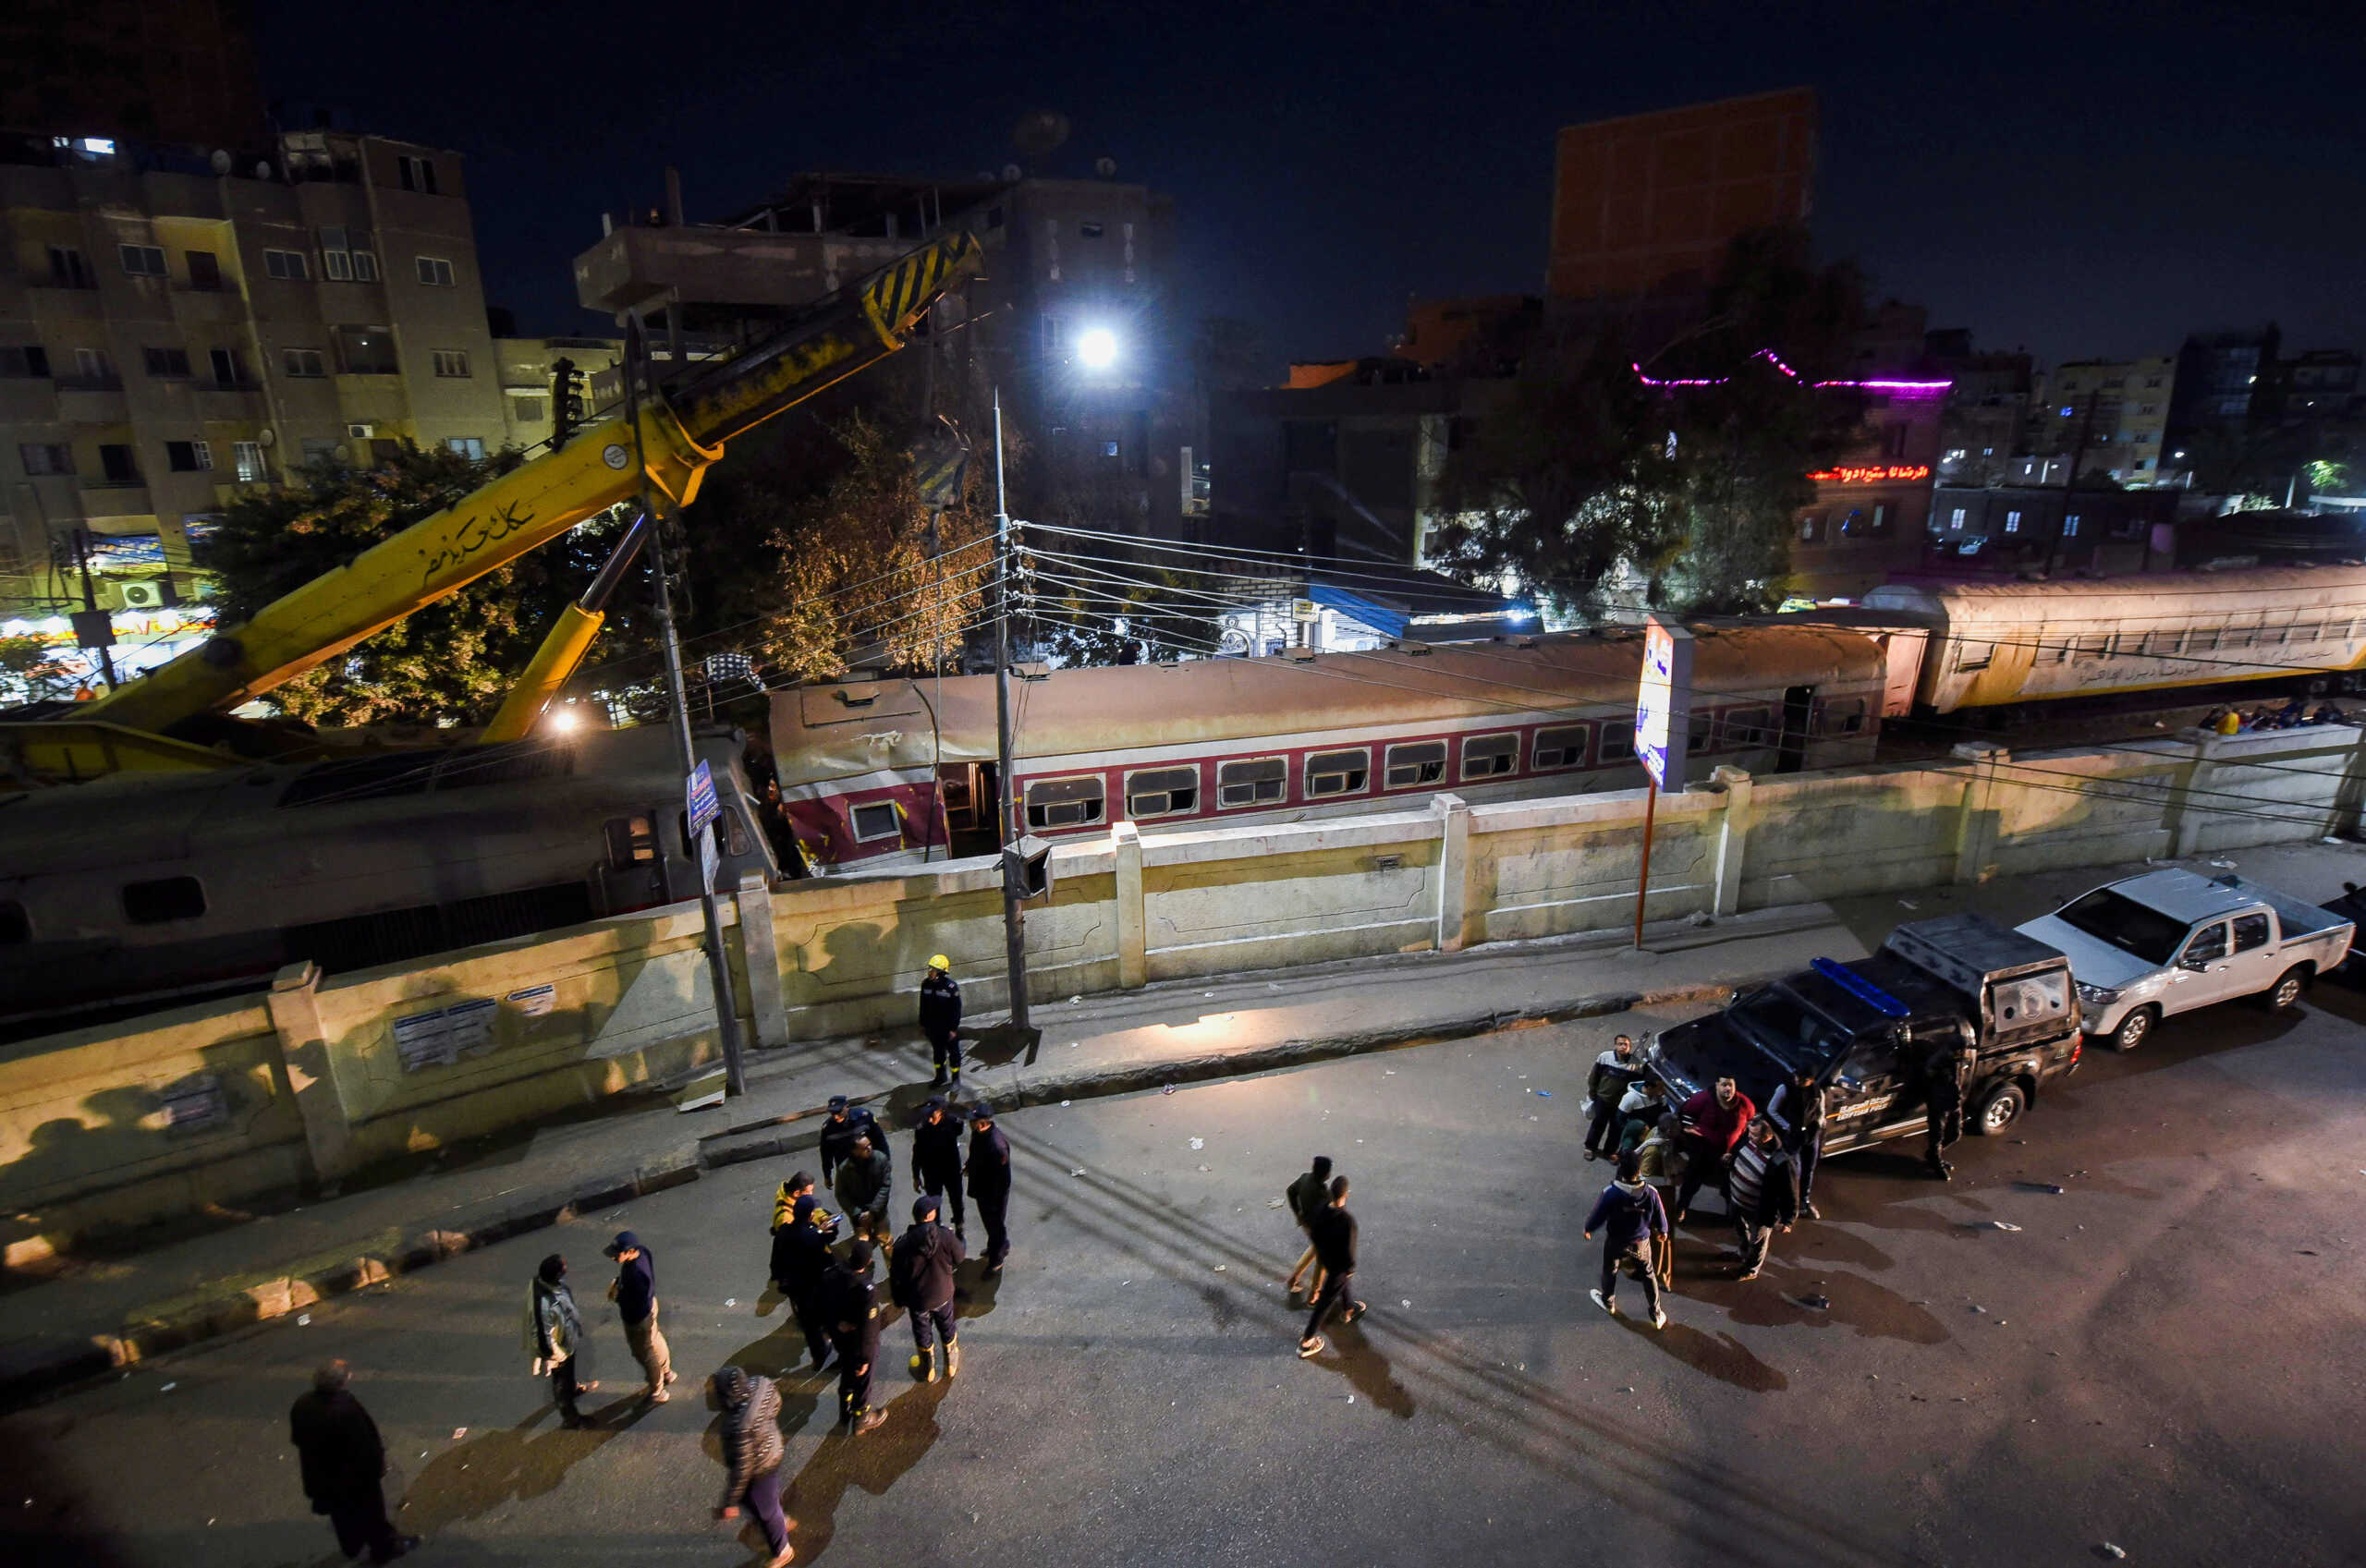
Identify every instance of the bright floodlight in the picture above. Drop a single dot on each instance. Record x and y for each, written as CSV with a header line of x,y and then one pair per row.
x,y
1097,349
563,720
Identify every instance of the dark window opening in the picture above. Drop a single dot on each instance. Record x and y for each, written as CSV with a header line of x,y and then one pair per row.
x,y
877,820
1338,772
167,898
1065,803
1252,784
1162,792
632,841
1416,763
15,927
1486,756
1563,746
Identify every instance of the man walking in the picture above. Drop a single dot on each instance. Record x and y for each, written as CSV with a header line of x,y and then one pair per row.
x,y
634,1290
1613,1069
940,1020
1764,1191
1797,1109
843,1125
554,1333
343,1465
1946,1078
920,1272
1305,1195
1715,1121
752,1447
936,1158
802,1232
1632,1221
990,1182
865,1183
1333,1229
851,1302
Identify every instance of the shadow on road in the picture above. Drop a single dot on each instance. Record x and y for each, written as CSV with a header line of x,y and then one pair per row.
x,y
472,1479
1721,1356
1366,1369
875,1462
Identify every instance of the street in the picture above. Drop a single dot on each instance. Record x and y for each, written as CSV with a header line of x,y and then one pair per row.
x,y
2158,1357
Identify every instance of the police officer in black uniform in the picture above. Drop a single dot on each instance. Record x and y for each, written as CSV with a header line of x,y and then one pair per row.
x,y
802,1232
990,1182
941,1020
853,1307
936,1158
838,1134
1946,1078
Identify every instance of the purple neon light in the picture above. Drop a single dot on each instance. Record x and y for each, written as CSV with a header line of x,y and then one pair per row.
x,y
1768,355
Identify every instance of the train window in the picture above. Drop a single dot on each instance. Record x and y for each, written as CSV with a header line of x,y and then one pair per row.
x,y
1339,773
1067,803
1974,656
1561,747
1697,733
1487,756
632,841
1841,715
1416,763
1162,791
1259,783
1748,726
1617,745
734,833
2204,640
167,898
13,927
2277,636
2309,631
879,820
2092,646
2239,637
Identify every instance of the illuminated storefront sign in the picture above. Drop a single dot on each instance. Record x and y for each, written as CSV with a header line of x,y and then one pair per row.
x,y
1878,473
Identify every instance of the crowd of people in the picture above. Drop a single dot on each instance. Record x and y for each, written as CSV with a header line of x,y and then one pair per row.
x,y
2294,714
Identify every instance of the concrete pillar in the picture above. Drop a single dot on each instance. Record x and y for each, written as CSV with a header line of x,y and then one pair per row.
x,y
1133,917
1453,871
760,960
1733,839
1976,818
2190,808
310,1073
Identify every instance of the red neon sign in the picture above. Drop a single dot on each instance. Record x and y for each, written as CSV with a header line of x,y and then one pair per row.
x,y
1879,473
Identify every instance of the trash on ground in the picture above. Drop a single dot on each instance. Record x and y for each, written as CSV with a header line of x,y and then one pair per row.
x,y
1078,1172
1219,1268
1979,1309
458,1432
1351,1399
1199,1143
303,1320
168,1388
2003,1226
1204,1169
1907,904
1546,1092
1273,1203
1817,1303
1074,1000
1403,1301
2222,865
2114,1551
1164,1088
1067,1103
730,1301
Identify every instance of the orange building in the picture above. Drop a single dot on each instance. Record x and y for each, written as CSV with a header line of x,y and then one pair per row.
x,y
1649,203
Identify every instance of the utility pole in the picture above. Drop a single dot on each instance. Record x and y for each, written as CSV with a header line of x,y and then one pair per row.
x,y
1014,918
726,1007
2070,482
93,622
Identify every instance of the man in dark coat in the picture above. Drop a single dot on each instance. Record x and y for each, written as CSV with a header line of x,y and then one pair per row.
x,y
940,1020
846,1124
1715,1121
1630,1208
752,1447
554,1333
1332,1231
851,1302
1946,1078
1607,1085
936,1158
1764,1191
1305,1195
866,1180
634,1290
343,1463
802,1232
920,1274
990,1182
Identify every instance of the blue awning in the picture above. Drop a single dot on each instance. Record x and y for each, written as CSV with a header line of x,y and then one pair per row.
x,y
1388,620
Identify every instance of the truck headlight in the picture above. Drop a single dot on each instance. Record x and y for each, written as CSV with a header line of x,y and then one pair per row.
x,y
2102,996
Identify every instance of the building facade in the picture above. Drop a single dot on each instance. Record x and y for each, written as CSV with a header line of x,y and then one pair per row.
x,y
1872,508
2016,530
2220,376
2111,416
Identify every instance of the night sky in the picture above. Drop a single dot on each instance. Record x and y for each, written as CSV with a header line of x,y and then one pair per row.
x,y
2077,181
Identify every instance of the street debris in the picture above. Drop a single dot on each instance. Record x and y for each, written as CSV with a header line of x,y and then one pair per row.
x,y
1067,1103
458,1432
2114,1551
1907,904
1273,1203
2057,1188
1404,1301
1163,1088
2003,1226
303,1320
1078,1172
1219,1268
1199,1143
168,1388
730,1301
1546,1093
1819,1302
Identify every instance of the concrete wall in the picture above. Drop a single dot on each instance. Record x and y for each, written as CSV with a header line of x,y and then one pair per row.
x,y
117,1125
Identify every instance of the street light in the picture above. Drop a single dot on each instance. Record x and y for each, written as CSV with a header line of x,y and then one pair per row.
x,y
1097,349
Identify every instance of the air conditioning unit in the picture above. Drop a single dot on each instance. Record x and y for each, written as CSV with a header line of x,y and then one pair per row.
x,y
360,433
139,595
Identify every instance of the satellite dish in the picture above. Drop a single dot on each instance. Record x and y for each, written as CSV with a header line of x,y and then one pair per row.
x,y
266,435
1038,133
263,170
1010,171
1106,167
221,160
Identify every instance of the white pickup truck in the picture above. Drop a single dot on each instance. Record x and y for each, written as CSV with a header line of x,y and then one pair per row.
x,y
2170,941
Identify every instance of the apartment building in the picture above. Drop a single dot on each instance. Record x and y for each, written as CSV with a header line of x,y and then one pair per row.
x,y
2113,413
177,324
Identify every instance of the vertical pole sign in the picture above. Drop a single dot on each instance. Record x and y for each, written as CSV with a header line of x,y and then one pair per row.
x,y
698,801
1663,725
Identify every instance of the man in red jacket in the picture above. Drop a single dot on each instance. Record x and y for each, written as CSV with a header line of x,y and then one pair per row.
x,y
1714,1119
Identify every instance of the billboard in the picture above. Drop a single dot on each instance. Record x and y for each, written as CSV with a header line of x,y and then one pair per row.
x,y
1663,703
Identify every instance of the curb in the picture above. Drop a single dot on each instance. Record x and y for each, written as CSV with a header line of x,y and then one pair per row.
x,y
183,1321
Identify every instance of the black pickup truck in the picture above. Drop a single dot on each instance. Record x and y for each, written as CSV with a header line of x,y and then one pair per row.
x,y
1863,1030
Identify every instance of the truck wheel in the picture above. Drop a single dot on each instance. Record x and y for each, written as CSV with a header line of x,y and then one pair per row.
x,y
1999,1109
2285,994
2134,1029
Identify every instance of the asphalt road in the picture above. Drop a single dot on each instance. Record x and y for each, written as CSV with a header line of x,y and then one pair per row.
x,y
2162,1357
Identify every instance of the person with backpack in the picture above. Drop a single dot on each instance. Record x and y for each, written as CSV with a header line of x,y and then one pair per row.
x,y
1632,1221
1613,1070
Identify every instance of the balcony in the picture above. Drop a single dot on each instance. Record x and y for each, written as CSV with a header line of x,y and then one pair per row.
x,y
229,400
116,498
88,383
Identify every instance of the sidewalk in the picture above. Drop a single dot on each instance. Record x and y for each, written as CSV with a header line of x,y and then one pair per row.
x,y
103,1312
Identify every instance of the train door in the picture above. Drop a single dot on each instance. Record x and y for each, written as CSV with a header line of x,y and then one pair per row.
x,y
1799,714
968,790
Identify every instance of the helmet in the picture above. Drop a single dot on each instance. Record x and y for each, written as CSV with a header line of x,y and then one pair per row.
x,y
941,962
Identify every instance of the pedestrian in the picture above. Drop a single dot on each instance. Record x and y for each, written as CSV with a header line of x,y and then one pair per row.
x,y
1659,1155
990,1182
752,1447
1640,1111
344,1465
1946,1078
634,1290
1632,1221
1797,1109
554,1333
936,1158
1613,1069
866,1180
845,1122
940,1021
851,1302
1763,1193
1716,1119
919,1276
1333,1229
1305,1195
802,1232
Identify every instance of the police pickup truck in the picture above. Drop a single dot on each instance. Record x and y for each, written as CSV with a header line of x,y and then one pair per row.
x,y
2172,940
1863,1030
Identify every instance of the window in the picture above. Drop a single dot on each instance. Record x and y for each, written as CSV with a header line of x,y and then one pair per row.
x,y
415,173
188,457
1812,529
248,456
1065,803
366,351
288,266
1051,333
68,268
321,453
466,445
1488,756
1747,727
434,271
116,461
336,265
1416,763
1339,773
302,362
166,364
92,368
1162,791
451,362
1699,727
2070,525
1955,522
632,841
880,819
167,898
2239,637
47,458
1617,745
2208,944
31,360
1893,441
204,270
365,267
2250,931
2012,522
229,367
1841,715
2092,645
1089,231
1252,784
530,410
2309,631
1974,655
1563,745
142,261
